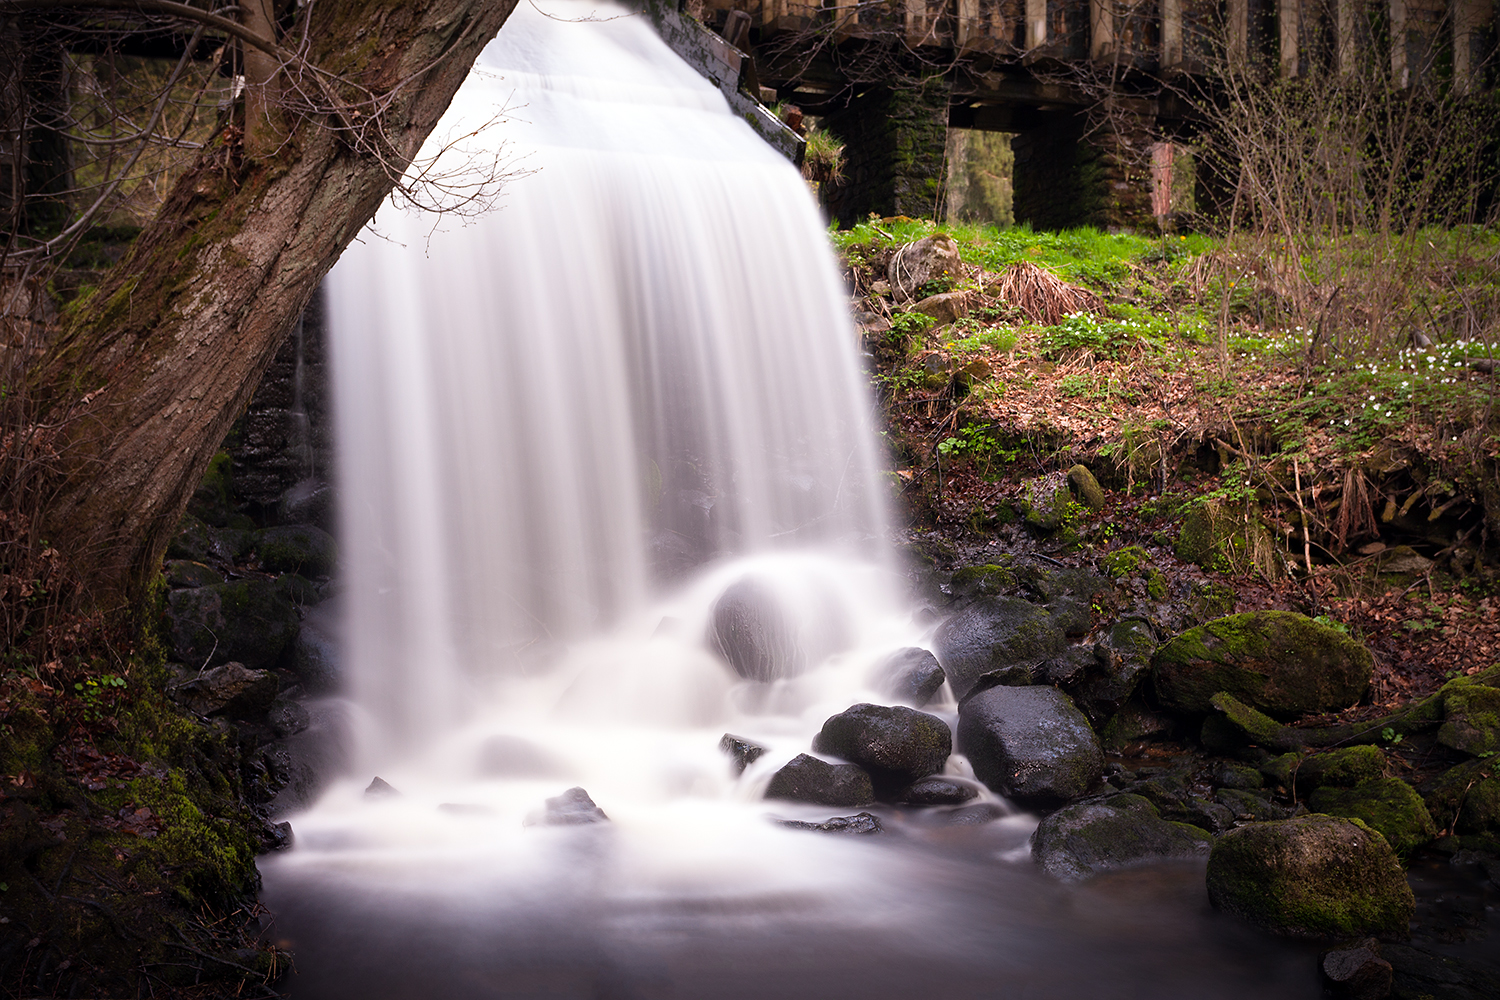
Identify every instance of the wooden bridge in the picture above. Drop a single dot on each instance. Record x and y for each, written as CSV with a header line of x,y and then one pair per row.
x,y
1032,67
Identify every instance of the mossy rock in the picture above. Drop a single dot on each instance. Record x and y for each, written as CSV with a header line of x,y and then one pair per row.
x,y
1471,716
1120,831
252,621
1045,501
1389,805
1279,662
1224,537
1467,798
1123,562
991,580
1133,724
1090,494
297,548
1344,767
187,573
995,633
192,540
1313,877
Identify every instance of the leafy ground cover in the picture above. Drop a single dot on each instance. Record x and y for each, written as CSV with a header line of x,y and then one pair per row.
x,y
1300,424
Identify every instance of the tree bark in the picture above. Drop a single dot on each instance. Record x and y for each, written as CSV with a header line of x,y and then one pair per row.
x,y
149,372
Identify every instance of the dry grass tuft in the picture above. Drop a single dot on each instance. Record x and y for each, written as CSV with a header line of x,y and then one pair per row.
x,y
1041,295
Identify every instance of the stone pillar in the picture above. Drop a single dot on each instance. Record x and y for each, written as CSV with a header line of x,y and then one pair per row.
x,y
1069,175
1470,18
893,140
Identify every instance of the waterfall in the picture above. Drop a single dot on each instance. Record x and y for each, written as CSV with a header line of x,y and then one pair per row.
x,y
639,364
569,431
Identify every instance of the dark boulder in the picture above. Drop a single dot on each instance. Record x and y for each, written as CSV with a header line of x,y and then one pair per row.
x,y
1467,798
297,548
740,750
288,718
1312,877
379,788
571,808
936,790
993,634
1281,663
191,542
894,744
807,779
1030,744
1086,838
231,689
753,633
186,573
251,621
861,824
912,675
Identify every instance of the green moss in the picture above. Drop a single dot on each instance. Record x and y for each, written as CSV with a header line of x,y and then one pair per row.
x,y
1312,876
1123,562
983,581
1087,487
1259,727
1156,584
1385,804
1275,661
1471,714
1466,798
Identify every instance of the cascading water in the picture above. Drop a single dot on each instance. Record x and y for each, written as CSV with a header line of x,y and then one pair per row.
x,y
566,430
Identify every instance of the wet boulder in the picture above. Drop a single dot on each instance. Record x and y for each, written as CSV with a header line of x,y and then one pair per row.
x,y
1311,877
1030,744
572,808
936,790
754,634
861,825
251,621
1090,494
287,718
1281,663
927,265
896,745
807,779
1245,804
231,689
1119,831
1388,805
911,675
994,635
191,542
297,548
1135,724
740,750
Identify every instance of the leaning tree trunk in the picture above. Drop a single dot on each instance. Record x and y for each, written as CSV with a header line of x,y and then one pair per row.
x,y
148,374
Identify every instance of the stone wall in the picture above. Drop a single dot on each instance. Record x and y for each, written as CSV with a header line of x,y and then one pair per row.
x,y
893,147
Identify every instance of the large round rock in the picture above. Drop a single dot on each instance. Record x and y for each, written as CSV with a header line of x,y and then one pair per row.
x,y
1311,877
992,634
1030,744
895,744
752,631
1282,663
807,779
1087,838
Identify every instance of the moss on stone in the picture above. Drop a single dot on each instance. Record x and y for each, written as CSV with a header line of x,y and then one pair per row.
x,y
1087,487
989,580
1466,798
1314,876
1389,805
1274,661
1123,562
1471,717
1156,584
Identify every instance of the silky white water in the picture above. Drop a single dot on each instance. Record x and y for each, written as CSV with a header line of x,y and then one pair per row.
x,y
565,427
